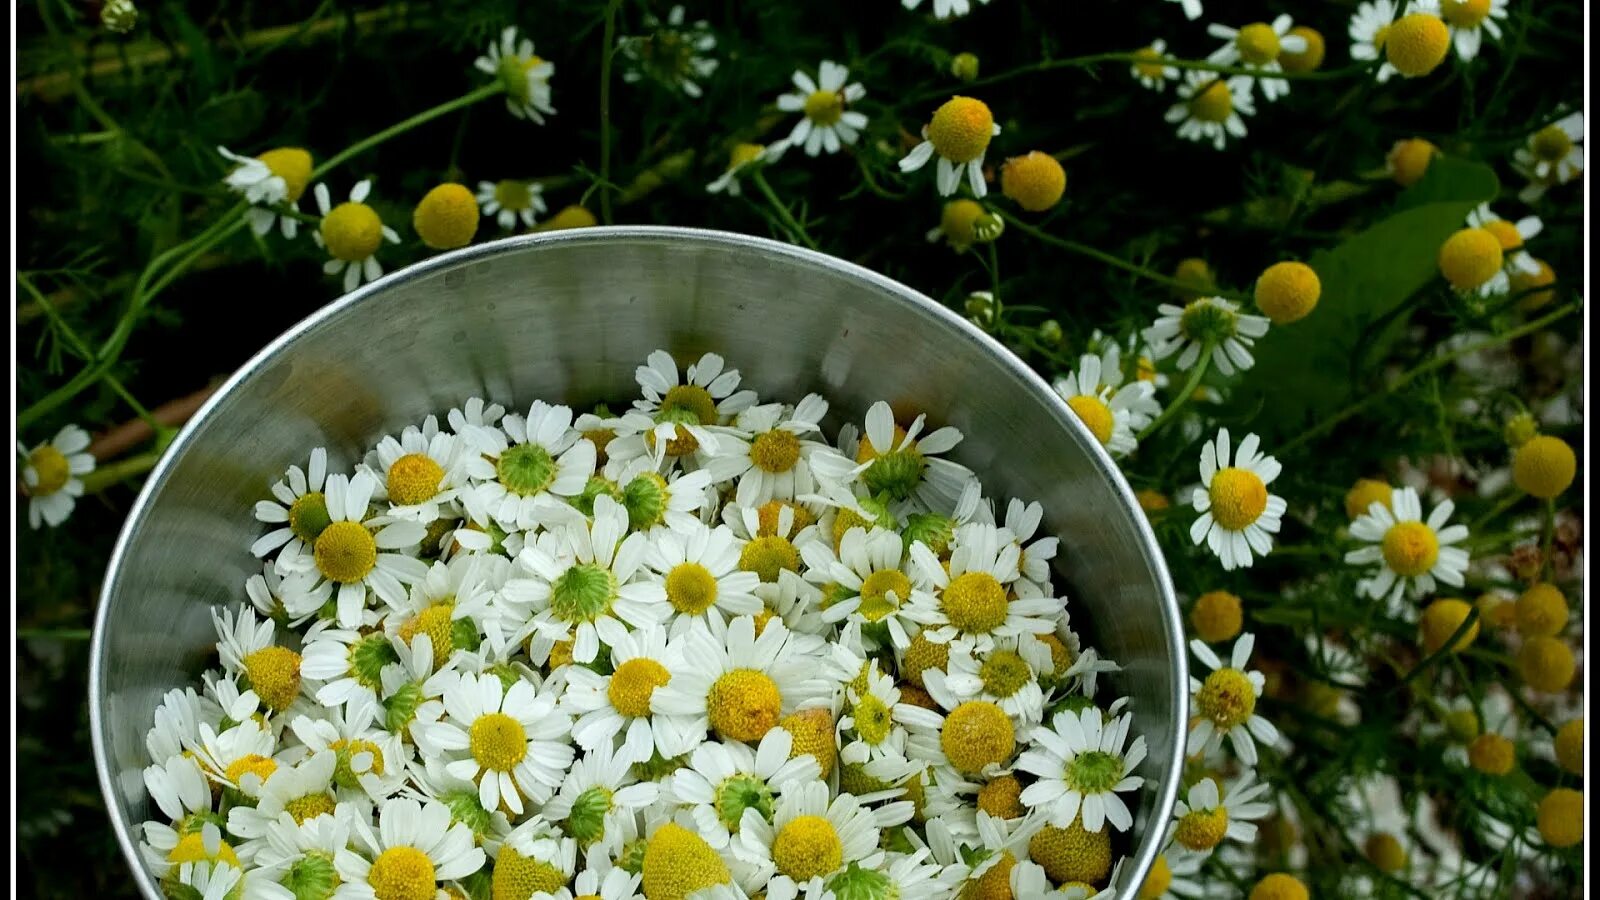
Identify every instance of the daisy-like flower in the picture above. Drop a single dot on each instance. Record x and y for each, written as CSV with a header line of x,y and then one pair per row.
x,y
52,474
601,879
1225,703
1151,70
722,780
811,836
1410,552
1022,524
301,852
959,134
176,722
347,663
1469,20
778,462
524,75
1257,47
220,880
902,463
1553,156
969,600
1006,675
653,500
525,480
516,739
1110,412
773,543
450,606
414,849
1081,765
1237,514
619,703
872,583
1513,237
1173,877
1206,325
182,793
248,647
1206,816
510,201
707,394
826,123
983,863
700,572
945,9
240,756
741,683
600,787
300,507
592,578
740,159
369,762
1212,108
533,855
302,791
1369,28
352,233
350,552
675,54
419,471
872,731
276,178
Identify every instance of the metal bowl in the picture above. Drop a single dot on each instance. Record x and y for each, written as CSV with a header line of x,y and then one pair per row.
x,y
568,316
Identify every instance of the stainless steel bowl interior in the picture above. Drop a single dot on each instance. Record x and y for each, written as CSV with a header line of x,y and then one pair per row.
x,y
567,316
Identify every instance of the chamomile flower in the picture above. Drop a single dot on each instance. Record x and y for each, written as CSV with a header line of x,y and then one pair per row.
x,y
524,75
302,852
1212,108
903,463
515,739
276,178
239,756
814,836
607,706
511,200
872,731
300,507
1469,20
675,54
451,605
176,722
182,793
724,779
1259,47
525,477
873,584
600,787
352,233
369,762
1225,703
826,122
959,134
601,879
1513,237
945,9
1081,765
1369,30
969,600
741,683
701,575
982,865
1411,553
1173,877
777,463
771,545
52,475
346,662
1151,70
1553,156
1206,325
414,848
1237,514
1110,412
302,791
1205,816
420,471
248,647
652,500
742,158
593,577
1006,675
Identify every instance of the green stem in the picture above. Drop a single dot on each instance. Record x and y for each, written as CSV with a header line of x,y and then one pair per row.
x,y
54,634
606,52
399,128
1104,257
1195,374
796,230
1432,365
82,349
108,475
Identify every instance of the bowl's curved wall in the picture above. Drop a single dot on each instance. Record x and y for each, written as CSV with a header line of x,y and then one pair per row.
x,y
567,316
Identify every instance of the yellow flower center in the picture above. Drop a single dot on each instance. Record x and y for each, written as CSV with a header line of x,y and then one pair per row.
x,y
1227,698
344,773
1095,415
632,684
807,847
1561,817
743,154
1546,664
1288,292
1002,797
1417,44
1491,754
1202,829
1238,498
678,862
1527,284
1410,548
1257,43
436,623
961,129
766,556
1569,746
518,877
573,216
1308,59
775,451
691,398
1551,143
274,674
824,107
1279,886
872,719
1544,466
1385,852
52,468
1157,880
1504,232
994,883
1541,611
293,165
513,195
1217,616
1072,853
414,478
1365,493
974,602
1441,619
446,217
498,742
1409,160
1004,673
352,231
958,221
1465,13
191,848
976,734
309,807
691,588
921,656
402,873
1060,654
1150,63
251,764
345,552
767,516
812,730
743,705
1213,102
1036,181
